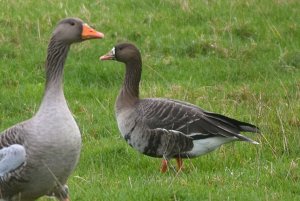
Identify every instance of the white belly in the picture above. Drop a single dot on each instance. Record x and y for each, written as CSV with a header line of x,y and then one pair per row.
x,y
207,145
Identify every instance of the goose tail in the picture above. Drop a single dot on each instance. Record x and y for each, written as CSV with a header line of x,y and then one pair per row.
x,y
233,126
243,126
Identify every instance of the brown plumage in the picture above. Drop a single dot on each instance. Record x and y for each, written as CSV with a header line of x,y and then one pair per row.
x,y
167,128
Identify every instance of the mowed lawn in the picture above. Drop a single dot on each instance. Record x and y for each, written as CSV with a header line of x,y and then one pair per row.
x,y
240,58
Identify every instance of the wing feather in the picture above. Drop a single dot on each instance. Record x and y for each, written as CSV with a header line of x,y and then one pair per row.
x,y
12,151
11,158
189,119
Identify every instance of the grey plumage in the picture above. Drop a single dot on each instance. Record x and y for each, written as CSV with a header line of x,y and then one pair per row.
x,y
39,154
164,127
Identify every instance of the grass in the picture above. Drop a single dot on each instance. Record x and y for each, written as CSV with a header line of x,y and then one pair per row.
x,y
238,58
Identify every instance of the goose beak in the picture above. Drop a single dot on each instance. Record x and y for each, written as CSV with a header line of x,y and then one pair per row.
x,y
90,33
109,56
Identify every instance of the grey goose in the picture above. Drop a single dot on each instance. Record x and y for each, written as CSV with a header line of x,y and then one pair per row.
x,y
167,128
38,155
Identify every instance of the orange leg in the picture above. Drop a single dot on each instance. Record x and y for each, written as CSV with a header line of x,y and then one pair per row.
x,y
64,195
164,166
179,164
64,199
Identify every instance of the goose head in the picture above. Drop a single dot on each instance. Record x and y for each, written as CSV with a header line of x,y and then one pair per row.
x,y
123,52
71,30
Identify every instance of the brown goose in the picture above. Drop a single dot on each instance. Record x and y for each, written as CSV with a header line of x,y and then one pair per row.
x,y
167,128
38,155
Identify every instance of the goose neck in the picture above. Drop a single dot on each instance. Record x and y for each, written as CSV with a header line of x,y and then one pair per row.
x,y
129,93
56,56
132,79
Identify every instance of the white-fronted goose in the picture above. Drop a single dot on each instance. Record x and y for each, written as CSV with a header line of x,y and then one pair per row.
x,y
38,155
167,128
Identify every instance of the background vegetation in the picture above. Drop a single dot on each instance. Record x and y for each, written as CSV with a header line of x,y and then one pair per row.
x,y
238,58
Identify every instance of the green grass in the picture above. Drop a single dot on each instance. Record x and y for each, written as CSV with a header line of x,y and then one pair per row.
x,y
238,58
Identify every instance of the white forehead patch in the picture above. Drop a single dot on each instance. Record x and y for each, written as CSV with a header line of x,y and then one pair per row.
x,y
113,51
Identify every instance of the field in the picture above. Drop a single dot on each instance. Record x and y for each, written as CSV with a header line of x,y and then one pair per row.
x,y
238,58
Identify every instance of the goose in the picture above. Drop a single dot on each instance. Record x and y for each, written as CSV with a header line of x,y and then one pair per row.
x,y
166,128
38,155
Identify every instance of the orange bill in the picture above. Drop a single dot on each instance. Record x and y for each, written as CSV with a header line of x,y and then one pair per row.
x,y
90,33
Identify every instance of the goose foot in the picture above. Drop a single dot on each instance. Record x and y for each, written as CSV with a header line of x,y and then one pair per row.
x,y
64,194
65,199
61,193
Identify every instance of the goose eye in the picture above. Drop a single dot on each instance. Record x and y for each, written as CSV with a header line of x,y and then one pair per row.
x,y
72,23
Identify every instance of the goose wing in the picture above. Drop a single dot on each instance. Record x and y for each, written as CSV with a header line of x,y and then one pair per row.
x,y
191,120
12,152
